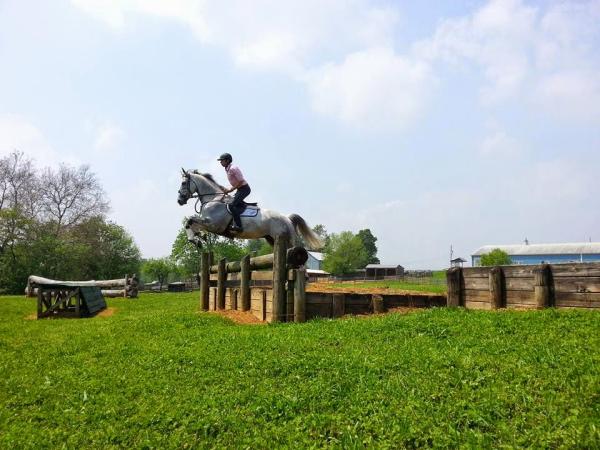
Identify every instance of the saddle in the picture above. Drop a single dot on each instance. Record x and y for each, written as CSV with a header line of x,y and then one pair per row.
x,y
250,209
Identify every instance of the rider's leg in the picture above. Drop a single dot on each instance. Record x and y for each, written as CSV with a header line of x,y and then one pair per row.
x,y
237,204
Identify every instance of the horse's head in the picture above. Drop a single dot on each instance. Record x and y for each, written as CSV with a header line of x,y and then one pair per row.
x,y
185,191
201,184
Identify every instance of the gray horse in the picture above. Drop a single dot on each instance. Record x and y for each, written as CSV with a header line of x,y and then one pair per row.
x,y
214,216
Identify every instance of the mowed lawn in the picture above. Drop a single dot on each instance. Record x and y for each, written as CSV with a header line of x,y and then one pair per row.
x,y
157,374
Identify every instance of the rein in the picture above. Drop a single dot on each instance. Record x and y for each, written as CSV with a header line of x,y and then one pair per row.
x,y
199,196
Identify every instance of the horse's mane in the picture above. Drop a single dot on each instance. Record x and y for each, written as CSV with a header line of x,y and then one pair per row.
x,y
209,177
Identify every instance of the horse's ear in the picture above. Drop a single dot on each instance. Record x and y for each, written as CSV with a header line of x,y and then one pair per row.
x,y
184,172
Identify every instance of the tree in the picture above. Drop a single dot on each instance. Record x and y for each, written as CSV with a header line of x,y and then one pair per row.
x,y
186,255
260,246
232,249
159,269
18,183
57,229
17,197
345,253
71,195
110,251
368,241
496,257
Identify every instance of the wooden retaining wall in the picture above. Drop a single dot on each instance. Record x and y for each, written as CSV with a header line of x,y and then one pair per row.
x,y
332,305
525,286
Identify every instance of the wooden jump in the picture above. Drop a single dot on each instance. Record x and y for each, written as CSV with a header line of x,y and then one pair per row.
x,y
266,285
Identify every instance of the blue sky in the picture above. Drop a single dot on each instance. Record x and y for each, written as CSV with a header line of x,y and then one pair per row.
x,y
463,124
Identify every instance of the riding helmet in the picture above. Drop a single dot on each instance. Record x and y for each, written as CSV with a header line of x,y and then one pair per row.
x,y
225,157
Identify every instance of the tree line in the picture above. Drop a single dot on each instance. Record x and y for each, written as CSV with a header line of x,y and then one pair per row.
x,y
53,224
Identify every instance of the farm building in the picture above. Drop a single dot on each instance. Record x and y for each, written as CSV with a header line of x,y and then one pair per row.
x,y
544,253
315,261
378,271
314,266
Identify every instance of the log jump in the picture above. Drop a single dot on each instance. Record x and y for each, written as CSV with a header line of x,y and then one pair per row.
x,y
122,287
271,286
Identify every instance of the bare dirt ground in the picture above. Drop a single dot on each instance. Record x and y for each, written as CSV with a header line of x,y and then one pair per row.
x,y
108,312
239,317
350,289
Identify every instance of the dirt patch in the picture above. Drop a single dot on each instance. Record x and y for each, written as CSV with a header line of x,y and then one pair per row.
x,y
239,317
108,312
350,289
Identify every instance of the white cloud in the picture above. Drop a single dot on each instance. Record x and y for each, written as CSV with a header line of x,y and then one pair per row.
x,y
107,137
18,133
570,94
500,144
264,33
497,37
116,13
375,89
549,56
344,51
301,38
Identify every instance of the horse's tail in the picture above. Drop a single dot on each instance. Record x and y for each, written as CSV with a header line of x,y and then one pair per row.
x,y
311,238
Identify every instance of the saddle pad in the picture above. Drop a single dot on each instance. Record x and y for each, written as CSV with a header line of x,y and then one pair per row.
x,y
250,211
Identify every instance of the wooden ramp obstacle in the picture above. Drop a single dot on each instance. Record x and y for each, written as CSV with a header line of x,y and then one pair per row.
x,y
77,298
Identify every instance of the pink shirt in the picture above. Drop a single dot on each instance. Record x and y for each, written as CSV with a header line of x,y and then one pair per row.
x,y
234,175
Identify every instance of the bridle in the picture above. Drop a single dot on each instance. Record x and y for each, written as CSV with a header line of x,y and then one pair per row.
x,y
199,197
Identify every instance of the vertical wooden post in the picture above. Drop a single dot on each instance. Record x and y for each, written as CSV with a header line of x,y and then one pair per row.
x,y
279,278
263,302
378,304
300,296
497,288
39,306
339,305
78,297
289,303
221,279
543,286
454,281
233,296
213,298
245,283
204,280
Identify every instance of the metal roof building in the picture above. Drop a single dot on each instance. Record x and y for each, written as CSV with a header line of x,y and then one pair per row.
x,y
315,261
544,253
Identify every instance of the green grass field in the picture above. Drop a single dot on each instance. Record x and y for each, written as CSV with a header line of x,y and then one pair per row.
x,y
157,374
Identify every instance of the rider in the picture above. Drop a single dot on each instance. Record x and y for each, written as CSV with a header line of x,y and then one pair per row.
x,y
238,184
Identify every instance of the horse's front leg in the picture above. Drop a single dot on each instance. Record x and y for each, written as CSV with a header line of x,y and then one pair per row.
x,y
193,230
